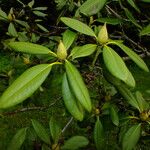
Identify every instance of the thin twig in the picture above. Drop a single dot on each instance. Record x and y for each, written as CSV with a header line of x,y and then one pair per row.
x,y
30,109
67,125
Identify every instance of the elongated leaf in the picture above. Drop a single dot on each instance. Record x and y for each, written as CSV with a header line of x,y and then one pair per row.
x,y
143,105
68,38
39,13
91,7
131,137
114,115
31,48
132,3
55,129
17,140
24,86
40,8
30,4
71,101
3,15
75,143
78,26
133,56
77,85
145,31
112,21
146,1
99,137
130,80
83,51
115,64
23,23
131,18
12,30
42,28
41,131
126,93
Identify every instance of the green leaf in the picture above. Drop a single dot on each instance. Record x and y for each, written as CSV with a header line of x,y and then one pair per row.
x,y
115,64
41,131
30,48
17,140
55,129
23,23
12,30
70,101
3,15
131,18
91,7
39,13
77,85
112,21
131,137
146,1
42,28
24,86
68,38
145,30
99,137
30,4
114,115
40,8
132,3
126,93
75,142
132,55
78,26
143,105
130,81
83,51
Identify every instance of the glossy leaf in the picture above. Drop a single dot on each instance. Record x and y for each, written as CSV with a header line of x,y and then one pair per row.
x,y
77,85
132,3
41,131
75,143
131,137
30,48
12,30
83,51
114,115
99,137
112,21
132,55
115,64
68,38
55,129
24,86
17,140
70,100
91,7
130,81
78,26
145,30
131,18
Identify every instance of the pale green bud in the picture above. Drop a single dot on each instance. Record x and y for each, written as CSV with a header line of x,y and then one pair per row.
x,y
61,51
103,35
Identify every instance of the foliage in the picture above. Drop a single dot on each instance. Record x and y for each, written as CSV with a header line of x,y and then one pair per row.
x,y
74,66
